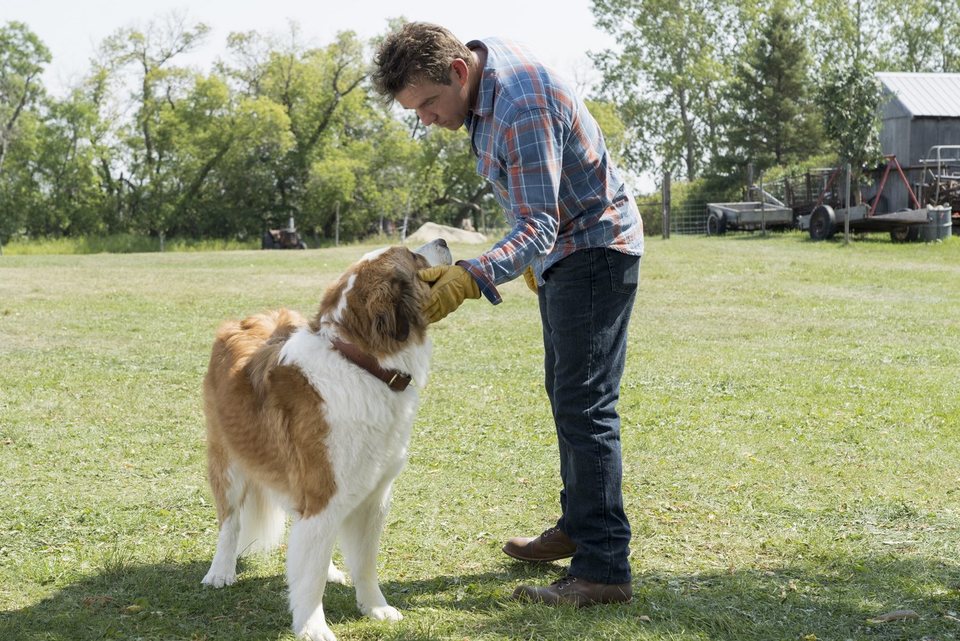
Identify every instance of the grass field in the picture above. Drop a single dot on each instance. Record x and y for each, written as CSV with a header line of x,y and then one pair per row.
x,y
790,426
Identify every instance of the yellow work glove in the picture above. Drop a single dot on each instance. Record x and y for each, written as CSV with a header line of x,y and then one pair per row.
x,y
449,286
531,279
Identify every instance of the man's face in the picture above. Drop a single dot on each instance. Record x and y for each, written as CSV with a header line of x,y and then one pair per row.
x,y
438,104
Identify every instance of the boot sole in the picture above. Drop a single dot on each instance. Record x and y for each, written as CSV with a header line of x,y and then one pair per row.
x,y
542,559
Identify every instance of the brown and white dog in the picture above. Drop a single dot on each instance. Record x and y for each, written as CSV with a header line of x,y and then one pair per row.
x,y
312,419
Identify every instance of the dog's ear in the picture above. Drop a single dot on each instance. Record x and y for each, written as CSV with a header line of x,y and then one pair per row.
x,y
394,325
395,318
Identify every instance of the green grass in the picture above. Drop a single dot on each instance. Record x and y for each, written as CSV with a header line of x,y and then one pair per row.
x,y
119,244
790,428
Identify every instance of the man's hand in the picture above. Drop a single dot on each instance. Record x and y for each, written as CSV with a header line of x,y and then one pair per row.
x,y
530,279
449,286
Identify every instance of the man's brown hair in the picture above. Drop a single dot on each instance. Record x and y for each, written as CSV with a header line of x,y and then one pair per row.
x,y
417,51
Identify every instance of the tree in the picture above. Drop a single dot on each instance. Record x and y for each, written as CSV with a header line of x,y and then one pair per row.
x,y
926,37
21,195
237,193
320,90
448,186
666,78
611,124
850,100
157,86
773,119
65,167
22,57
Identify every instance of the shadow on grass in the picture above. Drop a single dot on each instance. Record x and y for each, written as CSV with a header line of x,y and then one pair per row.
x,y
823,599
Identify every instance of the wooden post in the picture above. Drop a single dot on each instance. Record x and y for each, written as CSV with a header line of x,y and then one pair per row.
x,y
749,181
763,209
336,228
846,214
666,205
406,220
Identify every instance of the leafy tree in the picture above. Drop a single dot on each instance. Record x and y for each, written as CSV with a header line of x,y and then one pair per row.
x,y
926,36
65,165
321,91
152,180
773,119
21,195
237,194
850,99
666,78
448,186
22,57
612,125
213,139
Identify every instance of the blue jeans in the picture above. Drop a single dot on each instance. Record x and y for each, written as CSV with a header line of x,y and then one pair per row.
x,y
585,305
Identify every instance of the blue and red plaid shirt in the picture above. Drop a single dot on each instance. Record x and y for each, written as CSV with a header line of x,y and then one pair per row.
x,y
545,157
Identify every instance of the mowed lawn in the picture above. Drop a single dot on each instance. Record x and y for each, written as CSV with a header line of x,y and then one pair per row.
x,y
791,433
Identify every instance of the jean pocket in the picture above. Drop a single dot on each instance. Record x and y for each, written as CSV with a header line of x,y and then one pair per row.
x,y
624,271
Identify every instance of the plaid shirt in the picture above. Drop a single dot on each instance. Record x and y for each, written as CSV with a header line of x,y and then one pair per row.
x,y
546,160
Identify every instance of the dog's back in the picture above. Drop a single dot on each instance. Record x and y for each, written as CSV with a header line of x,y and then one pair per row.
x,y
237,377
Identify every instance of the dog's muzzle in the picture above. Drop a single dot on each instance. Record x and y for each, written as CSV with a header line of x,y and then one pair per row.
x,y
436,252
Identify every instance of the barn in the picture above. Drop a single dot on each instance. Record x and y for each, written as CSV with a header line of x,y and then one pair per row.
x,y
919,111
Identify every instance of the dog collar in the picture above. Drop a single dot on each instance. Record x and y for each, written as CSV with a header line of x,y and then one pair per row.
x,y
395,379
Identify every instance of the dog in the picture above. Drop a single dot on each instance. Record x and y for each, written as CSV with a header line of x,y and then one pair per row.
x,y
312,419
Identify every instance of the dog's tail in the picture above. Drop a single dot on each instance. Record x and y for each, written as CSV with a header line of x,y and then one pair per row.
x,y
262,522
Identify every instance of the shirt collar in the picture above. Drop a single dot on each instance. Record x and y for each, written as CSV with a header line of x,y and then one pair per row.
x,y
484,103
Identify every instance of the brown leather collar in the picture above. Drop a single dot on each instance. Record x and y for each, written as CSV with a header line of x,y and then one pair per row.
x,y
395,379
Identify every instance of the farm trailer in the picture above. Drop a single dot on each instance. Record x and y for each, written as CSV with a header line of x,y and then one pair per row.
x,y
930,222
748,216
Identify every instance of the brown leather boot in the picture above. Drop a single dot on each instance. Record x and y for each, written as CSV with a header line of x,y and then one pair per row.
x,y
549,546
579,593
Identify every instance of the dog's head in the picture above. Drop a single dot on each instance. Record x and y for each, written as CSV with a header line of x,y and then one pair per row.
x,y
377,304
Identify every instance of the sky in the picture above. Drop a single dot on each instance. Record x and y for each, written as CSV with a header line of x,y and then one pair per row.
x,y
559,31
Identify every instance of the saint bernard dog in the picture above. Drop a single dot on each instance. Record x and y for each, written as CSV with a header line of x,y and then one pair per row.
x,y
312,419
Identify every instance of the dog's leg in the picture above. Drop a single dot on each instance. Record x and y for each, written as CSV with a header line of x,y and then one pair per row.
x,y
361,543
223,569
308,561
228,489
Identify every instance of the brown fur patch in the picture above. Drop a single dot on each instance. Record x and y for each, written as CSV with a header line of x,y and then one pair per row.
x,y
265,416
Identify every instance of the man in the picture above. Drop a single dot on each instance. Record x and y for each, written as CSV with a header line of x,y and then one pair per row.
x,y
576,237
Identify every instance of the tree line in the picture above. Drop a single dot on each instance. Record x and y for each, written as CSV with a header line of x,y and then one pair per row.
x,y
146,145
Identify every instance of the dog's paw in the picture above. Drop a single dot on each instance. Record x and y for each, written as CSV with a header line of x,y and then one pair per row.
x,y
317,633
336,576
385,613
218,580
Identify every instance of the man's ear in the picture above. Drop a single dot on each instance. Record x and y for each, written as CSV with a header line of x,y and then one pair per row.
x,y
461,70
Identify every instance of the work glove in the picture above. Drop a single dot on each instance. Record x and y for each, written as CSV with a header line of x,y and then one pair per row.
x,y
450,285
530,279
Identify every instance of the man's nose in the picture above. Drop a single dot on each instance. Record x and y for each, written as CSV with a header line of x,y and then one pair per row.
x,y
426,117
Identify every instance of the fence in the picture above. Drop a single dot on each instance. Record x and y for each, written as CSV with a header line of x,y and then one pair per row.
x,y
678,209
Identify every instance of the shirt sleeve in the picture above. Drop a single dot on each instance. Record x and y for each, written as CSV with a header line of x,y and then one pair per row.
x,y
533,149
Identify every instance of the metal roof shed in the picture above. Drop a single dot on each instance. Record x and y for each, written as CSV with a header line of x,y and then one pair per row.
x,y
919,110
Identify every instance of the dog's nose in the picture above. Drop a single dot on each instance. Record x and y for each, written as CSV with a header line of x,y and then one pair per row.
x,y
441,242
